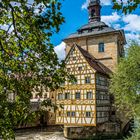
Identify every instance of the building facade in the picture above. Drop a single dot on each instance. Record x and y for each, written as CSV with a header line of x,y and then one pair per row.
x,y
92,54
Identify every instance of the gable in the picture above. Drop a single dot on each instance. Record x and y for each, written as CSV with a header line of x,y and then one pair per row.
x,y
76,62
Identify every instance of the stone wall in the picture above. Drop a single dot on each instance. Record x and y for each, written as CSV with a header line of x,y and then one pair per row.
x,y
108,128
79,132
111,55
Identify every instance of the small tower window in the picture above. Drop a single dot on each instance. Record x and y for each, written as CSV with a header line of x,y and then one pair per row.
x,y
101,47
92,13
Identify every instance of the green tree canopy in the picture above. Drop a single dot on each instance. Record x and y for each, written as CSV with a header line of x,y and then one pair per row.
x,y
126,6
27,57
125,84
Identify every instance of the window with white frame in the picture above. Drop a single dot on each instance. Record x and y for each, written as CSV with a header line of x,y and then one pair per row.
x,y
67,95
87,80
101,47
60,96
89,95
77,95
68,114
72,114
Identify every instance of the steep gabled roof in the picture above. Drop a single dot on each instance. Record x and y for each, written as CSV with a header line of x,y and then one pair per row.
x,y
95,64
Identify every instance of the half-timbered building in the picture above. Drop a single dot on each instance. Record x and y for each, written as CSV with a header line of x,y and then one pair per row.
x,y
85,102
92,54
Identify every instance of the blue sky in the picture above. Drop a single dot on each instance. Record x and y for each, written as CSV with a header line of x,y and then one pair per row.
x,y
75,13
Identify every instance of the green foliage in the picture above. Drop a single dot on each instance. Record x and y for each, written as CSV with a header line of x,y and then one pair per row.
x,y
135,135
126,6
125,82
27,58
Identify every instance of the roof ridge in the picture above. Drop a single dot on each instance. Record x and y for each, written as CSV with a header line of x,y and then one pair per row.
x,y
93,62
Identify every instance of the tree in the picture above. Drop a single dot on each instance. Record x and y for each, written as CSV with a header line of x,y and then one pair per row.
x,y
125,83
27,57
126,6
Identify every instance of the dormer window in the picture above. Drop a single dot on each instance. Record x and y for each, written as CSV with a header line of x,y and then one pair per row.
x,y
79,31
101,47
89,30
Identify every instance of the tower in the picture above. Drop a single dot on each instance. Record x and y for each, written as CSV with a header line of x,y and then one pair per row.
x,y
105,43
94,10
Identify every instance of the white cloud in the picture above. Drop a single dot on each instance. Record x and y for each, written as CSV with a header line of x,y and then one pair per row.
x,y
85,5
132,36
60,50
106,2
132,23
103,2
111,19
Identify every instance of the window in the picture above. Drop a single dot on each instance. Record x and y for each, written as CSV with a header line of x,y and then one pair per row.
x,y
73,114
60,96
92,13
101,47
102,81
74,58
74,81
89,95
68,114
77,95
68,69
45,95
87,80
59,113
79,68
88,114
67,95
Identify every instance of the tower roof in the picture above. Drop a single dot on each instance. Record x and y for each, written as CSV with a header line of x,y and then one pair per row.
x,y
92,2
95,26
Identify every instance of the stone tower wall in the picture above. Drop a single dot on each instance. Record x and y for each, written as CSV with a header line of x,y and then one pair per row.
x,y
111,55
